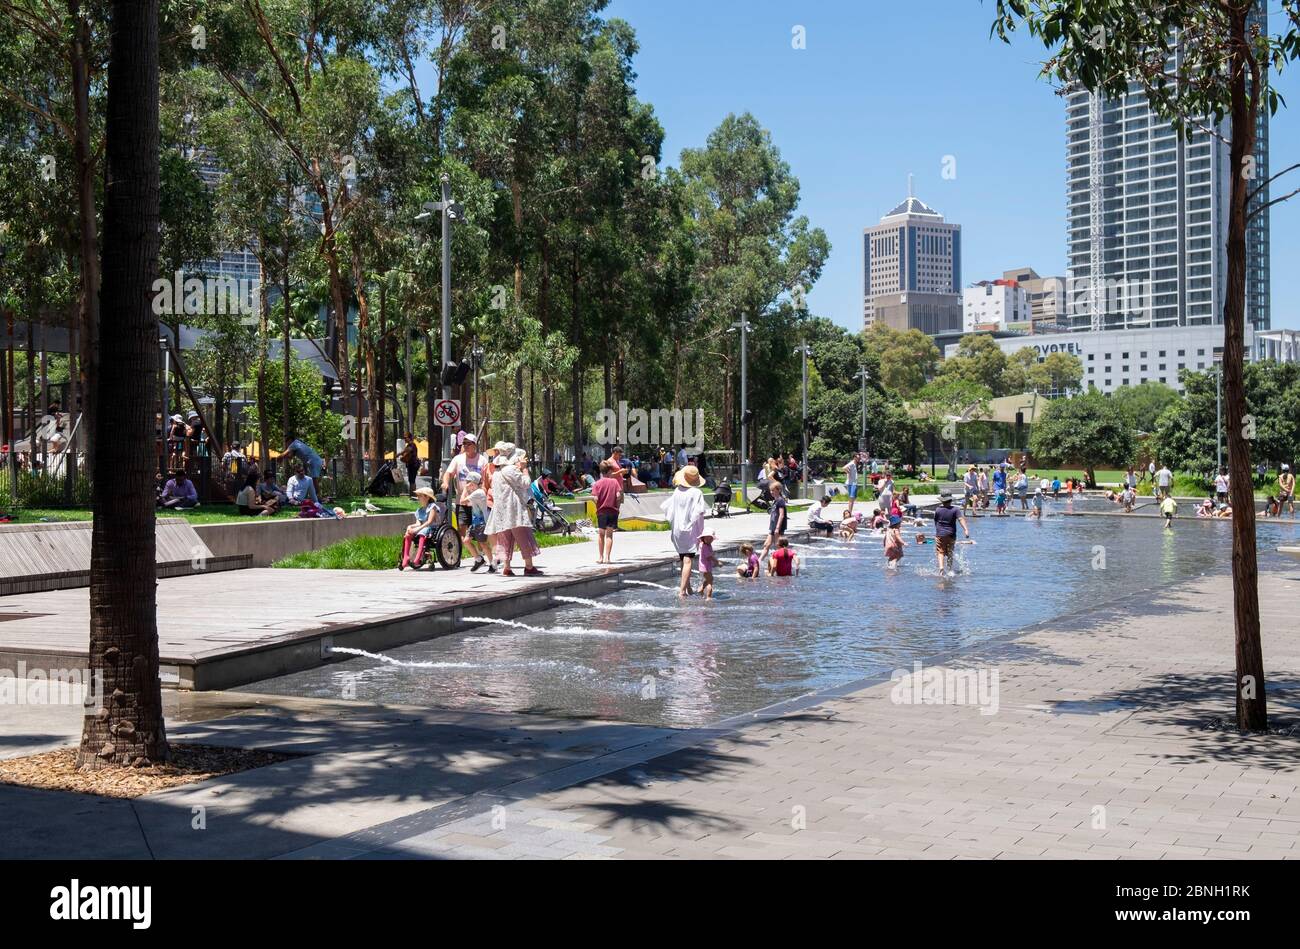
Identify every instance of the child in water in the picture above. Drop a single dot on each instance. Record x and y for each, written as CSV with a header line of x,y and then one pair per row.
x,y
1169,507
848,526
708,563
893,543
748,568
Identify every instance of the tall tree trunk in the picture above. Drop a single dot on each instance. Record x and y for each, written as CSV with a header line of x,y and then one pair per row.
x,y
548,390
85,161
287,355
339,303
575,337
123,602
375,373
518,206
31,390
609,399
1252,706
365,348
263,338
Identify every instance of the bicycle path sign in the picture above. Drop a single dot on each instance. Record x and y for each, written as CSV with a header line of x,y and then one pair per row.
x,y
447,412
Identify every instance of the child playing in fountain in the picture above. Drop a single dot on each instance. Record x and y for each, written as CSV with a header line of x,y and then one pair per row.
x,y
1169,507
848,526
1127,497
784,562
748,569
893,543
708,563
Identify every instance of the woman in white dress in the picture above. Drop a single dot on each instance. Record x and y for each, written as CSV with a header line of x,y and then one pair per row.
x,y
685,508
510,524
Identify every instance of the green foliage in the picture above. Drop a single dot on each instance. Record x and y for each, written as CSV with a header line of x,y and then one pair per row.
x,y
308,416
1145,403
1088,429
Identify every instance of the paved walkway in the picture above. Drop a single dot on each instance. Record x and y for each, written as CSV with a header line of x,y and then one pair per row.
x,y
1109,740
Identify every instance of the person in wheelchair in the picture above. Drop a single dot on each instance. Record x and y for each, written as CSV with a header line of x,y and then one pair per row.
x,y
427,517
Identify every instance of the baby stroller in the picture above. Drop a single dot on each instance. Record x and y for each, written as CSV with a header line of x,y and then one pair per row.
x,y
722,499
381,485
546,514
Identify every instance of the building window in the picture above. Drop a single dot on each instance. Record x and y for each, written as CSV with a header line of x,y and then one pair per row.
x,y
1143,355
1200,352
1090,357
1108,356
1182,352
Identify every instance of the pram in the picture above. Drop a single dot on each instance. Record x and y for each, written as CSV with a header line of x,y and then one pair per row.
x,y
722,499
381,485
546,514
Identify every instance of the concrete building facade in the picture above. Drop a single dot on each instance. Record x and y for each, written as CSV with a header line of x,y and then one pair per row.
x,y
912,270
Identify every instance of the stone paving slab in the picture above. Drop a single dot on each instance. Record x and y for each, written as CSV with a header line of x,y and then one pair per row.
x,y
1109,745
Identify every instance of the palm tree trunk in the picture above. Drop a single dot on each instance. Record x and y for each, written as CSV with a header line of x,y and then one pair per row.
x,y
1252,706
128,727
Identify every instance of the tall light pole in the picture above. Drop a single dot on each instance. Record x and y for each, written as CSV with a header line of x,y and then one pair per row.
x,y
804,351
864,375
744,326
450,211
1218,412
476,360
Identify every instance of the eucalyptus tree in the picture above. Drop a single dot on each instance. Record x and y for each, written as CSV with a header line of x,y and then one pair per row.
x,y
752,252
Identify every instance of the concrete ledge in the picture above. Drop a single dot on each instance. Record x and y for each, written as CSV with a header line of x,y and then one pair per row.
x,y
270,539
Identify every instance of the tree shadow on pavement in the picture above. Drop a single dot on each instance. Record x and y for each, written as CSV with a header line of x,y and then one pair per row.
x,y
1196,716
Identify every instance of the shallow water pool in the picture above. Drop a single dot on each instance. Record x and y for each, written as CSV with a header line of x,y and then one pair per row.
x,y
641,655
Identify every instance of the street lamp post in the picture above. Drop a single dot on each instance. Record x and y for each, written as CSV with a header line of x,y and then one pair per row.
x,y
804,352
864,375
449,211
744,326
1218,413
476,359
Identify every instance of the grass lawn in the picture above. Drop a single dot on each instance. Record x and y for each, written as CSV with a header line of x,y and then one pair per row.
x,y
380,553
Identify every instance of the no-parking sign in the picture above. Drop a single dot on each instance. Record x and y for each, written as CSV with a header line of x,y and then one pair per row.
x,y
447,412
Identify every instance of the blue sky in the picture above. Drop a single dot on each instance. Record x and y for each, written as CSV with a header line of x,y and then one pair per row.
x,y
883,89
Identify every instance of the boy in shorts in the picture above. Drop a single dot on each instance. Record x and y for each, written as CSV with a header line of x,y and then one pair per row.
x,y
607,494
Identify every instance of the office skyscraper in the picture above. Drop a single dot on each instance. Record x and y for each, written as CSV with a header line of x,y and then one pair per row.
x,y
911,270
1147,218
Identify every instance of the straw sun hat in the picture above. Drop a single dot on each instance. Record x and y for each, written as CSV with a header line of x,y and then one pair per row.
x,y
690,475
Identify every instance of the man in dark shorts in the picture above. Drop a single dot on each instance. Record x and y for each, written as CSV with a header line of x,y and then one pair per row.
x,y
946,519
776,519
607,495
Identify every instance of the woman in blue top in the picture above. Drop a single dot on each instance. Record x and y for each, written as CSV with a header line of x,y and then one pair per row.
x,y
426,519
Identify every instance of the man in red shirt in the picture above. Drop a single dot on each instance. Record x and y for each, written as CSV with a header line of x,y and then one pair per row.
x,y
607,494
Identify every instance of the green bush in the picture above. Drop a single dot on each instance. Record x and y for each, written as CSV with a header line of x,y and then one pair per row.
x,y
36,489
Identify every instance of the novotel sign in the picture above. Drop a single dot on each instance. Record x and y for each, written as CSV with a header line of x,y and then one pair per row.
x,y
1045,348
